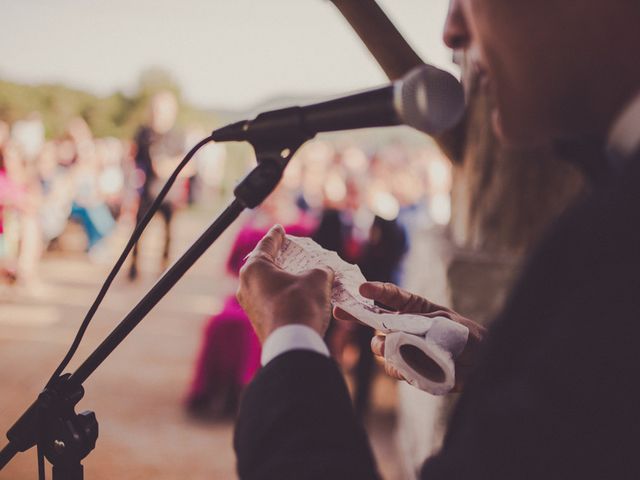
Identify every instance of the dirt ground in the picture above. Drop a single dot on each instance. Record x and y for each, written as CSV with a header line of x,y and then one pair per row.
x,y
137,393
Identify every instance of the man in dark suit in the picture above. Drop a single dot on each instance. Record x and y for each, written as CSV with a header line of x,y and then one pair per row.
x,y
550,391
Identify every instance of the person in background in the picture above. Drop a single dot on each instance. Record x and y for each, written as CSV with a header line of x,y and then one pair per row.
x,y
28,134
111,178
313,160
10,197
57,184
344,220
361,226
386,246
22,226
89,207
159,147
343,228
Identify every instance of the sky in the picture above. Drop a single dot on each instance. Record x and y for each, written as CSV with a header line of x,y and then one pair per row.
x,y
224,53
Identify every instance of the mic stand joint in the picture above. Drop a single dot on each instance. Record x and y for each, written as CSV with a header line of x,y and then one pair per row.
x,y
63,436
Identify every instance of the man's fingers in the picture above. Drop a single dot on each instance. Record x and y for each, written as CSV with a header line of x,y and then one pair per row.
x,y
396,298
260,260
386,293
377,345
342,315
270,244
393,372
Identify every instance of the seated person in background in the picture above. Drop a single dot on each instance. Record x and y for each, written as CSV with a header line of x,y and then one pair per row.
x,y
550,392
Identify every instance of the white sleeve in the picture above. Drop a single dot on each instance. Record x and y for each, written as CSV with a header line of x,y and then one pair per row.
x,y
292,337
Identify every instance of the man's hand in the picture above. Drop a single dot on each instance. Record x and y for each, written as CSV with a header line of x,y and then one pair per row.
x,y
273,298
400,300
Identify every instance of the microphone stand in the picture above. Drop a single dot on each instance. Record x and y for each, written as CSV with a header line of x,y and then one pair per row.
x,y
66,438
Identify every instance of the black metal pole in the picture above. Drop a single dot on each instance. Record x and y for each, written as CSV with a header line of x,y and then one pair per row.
x,y
74,472
159,290
7,453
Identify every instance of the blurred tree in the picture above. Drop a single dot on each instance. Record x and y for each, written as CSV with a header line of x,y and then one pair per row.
x,y
117,115
155,79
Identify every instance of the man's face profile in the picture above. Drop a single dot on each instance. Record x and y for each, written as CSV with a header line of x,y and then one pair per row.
x,y
540,61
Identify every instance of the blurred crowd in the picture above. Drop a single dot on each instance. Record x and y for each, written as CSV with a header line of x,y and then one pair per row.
x,y
49,187
47,183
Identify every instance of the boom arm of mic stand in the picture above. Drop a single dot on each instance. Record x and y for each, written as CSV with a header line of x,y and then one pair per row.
x,y
249,193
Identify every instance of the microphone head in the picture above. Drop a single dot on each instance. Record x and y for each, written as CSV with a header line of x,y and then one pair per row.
x,y
429,99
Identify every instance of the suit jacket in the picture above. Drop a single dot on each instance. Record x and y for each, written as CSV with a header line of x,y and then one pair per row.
x,y
296,422
555,394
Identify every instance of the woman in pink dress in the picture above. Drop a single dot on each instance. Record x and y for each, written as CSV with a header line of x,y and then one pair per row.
x,y
230,351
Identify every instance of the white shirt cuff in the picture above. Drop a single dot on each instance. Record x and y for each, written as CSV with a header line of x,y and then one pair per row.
x,y
292,337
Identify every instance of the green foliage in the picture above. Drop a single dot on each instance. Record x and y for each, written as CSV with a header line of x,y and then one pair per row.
x,y
117,115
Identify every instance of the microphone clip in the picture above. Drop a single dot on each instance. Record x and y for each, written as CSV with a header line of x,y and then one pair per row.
x,y
272,158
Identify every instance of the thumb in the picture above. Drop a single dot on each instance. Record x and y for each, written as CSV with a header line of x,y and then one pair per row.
x,y
340,314
377,345
270,244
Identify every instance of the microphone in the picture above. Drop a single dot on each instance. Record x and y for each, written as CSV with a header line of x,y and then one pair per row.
x,y
427,99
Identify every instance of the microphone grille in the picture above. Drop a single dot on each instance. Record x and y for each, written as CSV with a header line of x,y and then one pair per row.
x,y
429,99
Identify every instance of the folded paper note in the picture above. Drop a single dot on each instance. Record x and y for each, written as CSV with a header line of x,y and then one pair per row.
x,y
421,348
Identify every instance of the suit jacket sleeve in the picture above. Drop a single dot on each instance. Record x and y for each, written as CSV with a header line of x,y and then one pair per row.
x,y
296,421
